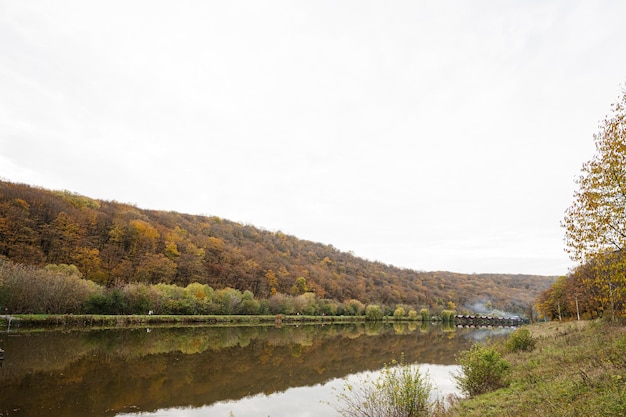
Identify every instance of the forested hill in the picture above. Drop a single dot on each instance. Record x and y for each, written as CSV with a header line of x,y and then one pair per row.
x,y
113,243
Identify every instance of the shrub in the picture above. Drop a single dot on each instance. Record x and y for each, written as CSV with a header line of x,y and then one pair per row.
x,y
373,312
520,339
55,290
482,370
447,316
400,390
139,298
111,301
425,314
399,313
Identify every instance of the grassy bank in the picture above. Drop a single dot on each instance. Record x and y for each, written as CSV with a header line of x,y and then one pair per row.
x,y
96,320
116,320
576,369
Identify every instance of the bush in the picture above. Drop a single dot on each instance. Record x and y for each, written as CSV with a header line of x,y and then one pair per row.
x,y
373,312
520,339
447,316
55,290
399,313
400,390
482,370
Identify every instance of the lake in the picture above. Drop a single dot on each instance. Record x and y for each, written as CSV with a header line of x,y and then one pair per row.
x,y
239,371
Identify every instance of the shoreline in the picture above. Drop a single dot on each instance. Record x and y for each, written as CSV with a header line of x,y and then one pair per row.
x,y
104,320
82,321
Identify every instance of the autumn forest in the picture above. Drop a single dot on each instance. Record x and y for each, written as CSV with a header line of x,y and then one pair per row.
x,y
115,250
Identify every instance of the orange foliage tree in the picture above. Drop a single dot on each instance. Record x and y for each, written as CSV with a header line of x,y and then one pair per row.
x,y
595,223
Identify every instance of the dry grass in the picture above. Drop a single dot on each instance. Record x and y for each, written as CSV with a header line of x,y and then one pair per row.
x,y
577,369
552,328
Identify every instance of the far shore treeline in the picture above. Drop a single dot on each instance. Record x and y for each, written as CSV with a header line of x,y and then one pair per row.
x,y
65,253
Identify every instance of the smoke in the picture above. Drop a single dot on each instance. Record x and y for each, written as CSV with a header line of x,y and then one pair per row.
x,y
481,308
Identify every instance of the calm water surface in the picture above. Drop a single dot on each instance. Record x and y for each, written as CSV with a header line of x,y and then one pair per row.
x,y
212,371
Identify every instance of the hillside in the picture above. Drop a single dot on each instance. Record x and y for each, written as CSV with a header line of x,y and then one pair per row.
x,y
113,243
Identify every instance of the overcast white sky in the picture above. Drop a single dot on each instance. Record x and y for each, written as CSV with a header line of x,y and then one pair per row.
x,y
433,135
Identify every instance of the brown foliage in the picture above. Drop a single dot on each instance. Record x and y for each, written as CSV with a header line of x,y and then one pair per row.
x,y
111,242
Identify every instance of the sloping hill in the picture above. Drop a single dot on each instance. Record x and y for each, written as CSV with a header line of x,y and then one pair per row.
x,y
113,243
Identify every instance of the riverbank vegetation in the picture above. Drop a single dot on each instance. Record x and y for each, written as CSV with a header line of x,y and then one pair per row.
x,y
577,368
573,369
61,290
399,390
70,321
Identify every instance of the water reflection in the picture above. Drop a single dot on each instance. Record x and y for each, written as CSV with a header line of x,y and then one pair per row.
x,y
190,369
315,401
294,402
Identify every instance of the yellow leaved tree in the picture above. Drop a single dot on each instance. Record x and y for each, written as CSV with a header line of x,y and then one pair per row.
x,y
595,223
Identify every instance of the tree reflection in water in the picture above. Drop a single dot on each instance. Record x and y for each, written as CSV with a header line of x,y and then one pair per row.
x,y
315,401
186,370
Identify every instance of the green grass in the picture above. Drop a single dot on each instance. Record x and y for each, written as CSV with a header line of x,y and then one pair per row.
x,y
103,320
576,369
99,320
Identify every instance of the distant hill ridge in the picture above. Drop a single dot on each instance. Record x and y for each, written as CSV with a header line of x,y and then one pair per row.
x,y
112,243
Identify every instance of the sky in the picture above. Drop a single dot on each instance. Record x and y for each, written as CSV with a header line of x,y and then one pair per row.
x,y
430,135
